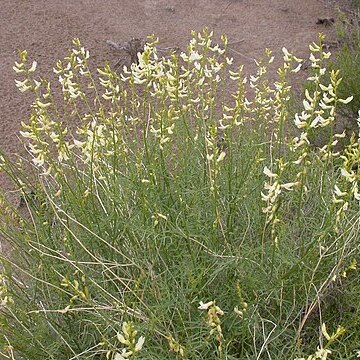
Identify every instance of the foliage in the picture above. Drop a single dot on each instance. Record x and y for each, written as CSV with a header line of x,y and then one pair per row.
x,y
347,59
356,4
171,213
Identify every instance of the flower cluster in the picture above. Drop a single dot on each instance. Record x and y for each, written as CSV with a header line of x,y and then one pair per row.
x,y
132,346
175,346
274,187
278,104
77,287
68,74
347,187
213,321
319,106
323,352
5,298
22,68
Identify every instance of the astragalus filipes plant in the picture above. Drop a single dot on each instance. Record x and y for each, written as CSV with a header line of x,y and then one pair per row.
x,y
320,108
177,180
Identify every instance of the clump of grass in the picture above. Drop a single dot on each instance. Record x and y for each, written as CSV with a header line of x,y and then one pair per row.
x,y
173,184
356,4
347,59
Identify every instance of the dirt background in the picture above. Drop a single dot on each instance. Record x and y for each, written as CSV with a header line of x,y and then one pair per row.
x,y
45,29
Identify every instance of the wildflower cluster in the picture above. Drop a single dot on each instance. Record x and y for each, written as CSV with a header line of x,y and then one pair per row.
x,y
214,322
320,109
23,68
243,304
5,297
77,288
69,73
322,352
277,103
175,346
347,187
132,345
320,105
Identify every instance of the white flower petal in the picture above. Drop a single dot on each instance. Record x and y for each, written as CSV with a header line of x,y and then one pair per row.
x,y
139,343
268,173
347,100
205,306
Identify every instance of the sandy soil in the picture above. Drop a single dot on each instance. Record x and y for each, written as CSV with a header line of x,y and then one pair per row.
x,y
46,27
